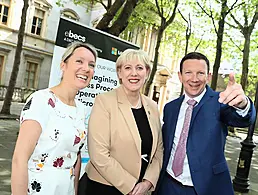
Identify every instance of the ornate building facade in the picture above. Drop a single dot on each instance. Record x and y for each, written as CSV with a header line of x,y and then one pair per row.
x,y
40,34
39,40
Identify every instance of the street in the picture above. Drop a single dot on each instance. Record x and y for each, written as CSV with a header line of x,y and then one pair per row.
x,y
8,135
232,151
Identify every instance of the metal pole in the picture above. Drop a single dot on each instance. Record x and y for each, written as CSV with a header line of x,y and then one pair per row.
x,y
241,180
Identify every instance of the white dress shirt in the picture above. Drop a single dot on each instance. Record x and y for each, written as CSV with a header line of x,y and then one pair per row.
x,y
185,177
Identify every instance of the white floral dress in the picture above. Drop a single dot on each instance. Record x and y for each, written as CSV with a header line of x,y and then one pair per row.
x,y
51,166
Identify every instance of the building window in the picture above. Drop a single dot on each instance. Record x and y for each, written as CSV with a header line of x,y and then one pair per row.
x,y
30,75
1,66
37,22
68,13
3,14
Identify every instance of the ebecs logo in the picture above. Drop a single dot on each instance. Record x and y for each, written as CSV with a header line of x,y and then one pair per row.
x,y
75,36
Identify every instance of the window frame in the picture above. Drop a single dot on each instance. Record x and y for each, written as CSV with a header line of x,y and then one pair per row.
x,y
2,13
3,66
37,22
74,16
26,84
69,15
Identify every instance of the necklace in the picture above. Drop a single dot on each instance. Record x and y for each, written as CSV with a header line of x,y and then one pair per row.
x,y
138,105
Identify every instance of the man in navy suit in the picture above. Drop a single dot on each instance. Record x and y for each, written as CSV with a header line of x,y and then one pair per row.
x,y
197,166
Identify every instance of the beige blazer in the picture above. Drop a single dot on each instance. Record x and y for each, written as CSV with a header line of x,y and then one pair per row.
x,y
114,142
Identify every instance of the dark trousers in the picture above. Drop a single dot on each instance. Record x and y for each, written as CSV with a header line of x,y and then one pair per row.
x,y
170,186
83,184
90,187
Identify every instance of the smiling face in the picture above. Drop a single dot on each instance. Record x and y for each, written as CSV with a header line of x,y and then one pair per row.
x,y
132,75
194,76
78,69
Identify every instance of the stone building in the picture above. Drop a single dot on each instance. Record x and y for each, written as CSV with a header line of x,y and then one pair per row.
x,y
40,34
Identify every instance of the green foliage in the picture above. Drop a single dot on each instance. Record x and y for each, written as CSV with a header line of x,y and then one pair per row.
x,y
252,77
202,36
60,3
144,15
203,33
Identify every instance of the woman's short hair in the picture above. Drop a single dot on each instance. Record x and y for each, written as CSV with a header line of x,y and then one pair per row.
x,y
130,55
74,45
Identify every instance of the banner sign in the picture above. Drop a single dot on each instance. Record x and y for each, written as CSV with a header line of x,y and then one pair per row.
x,y
105,78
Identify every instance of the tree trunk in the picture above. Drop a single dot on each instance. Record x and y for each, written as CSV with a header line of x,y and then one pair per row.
x,y
156,56
247,32
108,17
187,37
245,62
164,23
122,21
218,50
16,64
216,63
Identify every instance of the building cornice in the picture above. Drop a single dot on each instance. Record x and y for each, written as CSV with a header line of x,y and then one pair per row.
x,y
34,56
26,34
39,37
29,48
4,50
43,3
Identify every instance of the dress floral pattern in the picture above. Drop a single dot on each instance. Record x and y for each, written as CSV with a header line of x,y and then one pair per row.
x,y
51,166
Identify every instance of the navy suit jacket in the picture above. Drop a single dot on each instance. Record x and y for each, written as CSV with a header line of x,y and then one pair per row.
x,y
205,143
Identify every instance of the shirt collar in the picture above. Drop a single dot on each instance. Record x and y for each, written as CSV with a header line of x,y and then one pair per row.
x,y
197,99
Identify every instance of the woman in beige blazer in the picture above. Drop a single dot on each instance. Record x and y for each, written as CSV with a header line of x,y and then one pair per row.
x,y
124,134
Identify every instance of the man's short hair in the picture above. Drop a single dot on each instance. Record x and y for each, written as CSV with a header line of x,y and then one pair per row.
x,y
195,56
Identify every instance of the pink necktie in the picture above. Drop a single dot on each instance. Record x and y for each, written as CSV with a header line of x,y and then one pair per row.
x,y
179,157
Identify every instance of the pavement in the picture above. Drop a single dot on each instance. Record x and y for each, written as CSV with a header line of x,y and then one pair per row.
x,y
15,110
8,136
232,151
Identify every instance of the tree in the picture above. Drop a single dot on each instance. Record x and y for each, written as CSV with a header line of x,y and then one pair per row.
x,y
188,33
246,29
121,22
143,16
224,11
167,14
111,10
188,30
115,20
16,64
252,67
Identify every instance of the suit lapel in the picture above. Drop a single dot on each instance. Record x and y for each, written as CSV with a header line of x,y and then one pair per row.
x,y
125,108
209,93
152,121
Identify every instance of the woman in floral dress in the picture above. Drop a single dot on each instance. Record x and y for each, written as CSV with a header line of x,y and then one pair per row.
x,y
46,158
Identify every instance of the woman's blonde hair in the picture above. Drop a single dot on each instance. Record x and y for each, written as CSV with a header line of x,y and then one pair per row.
x,y
74,45
130,55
